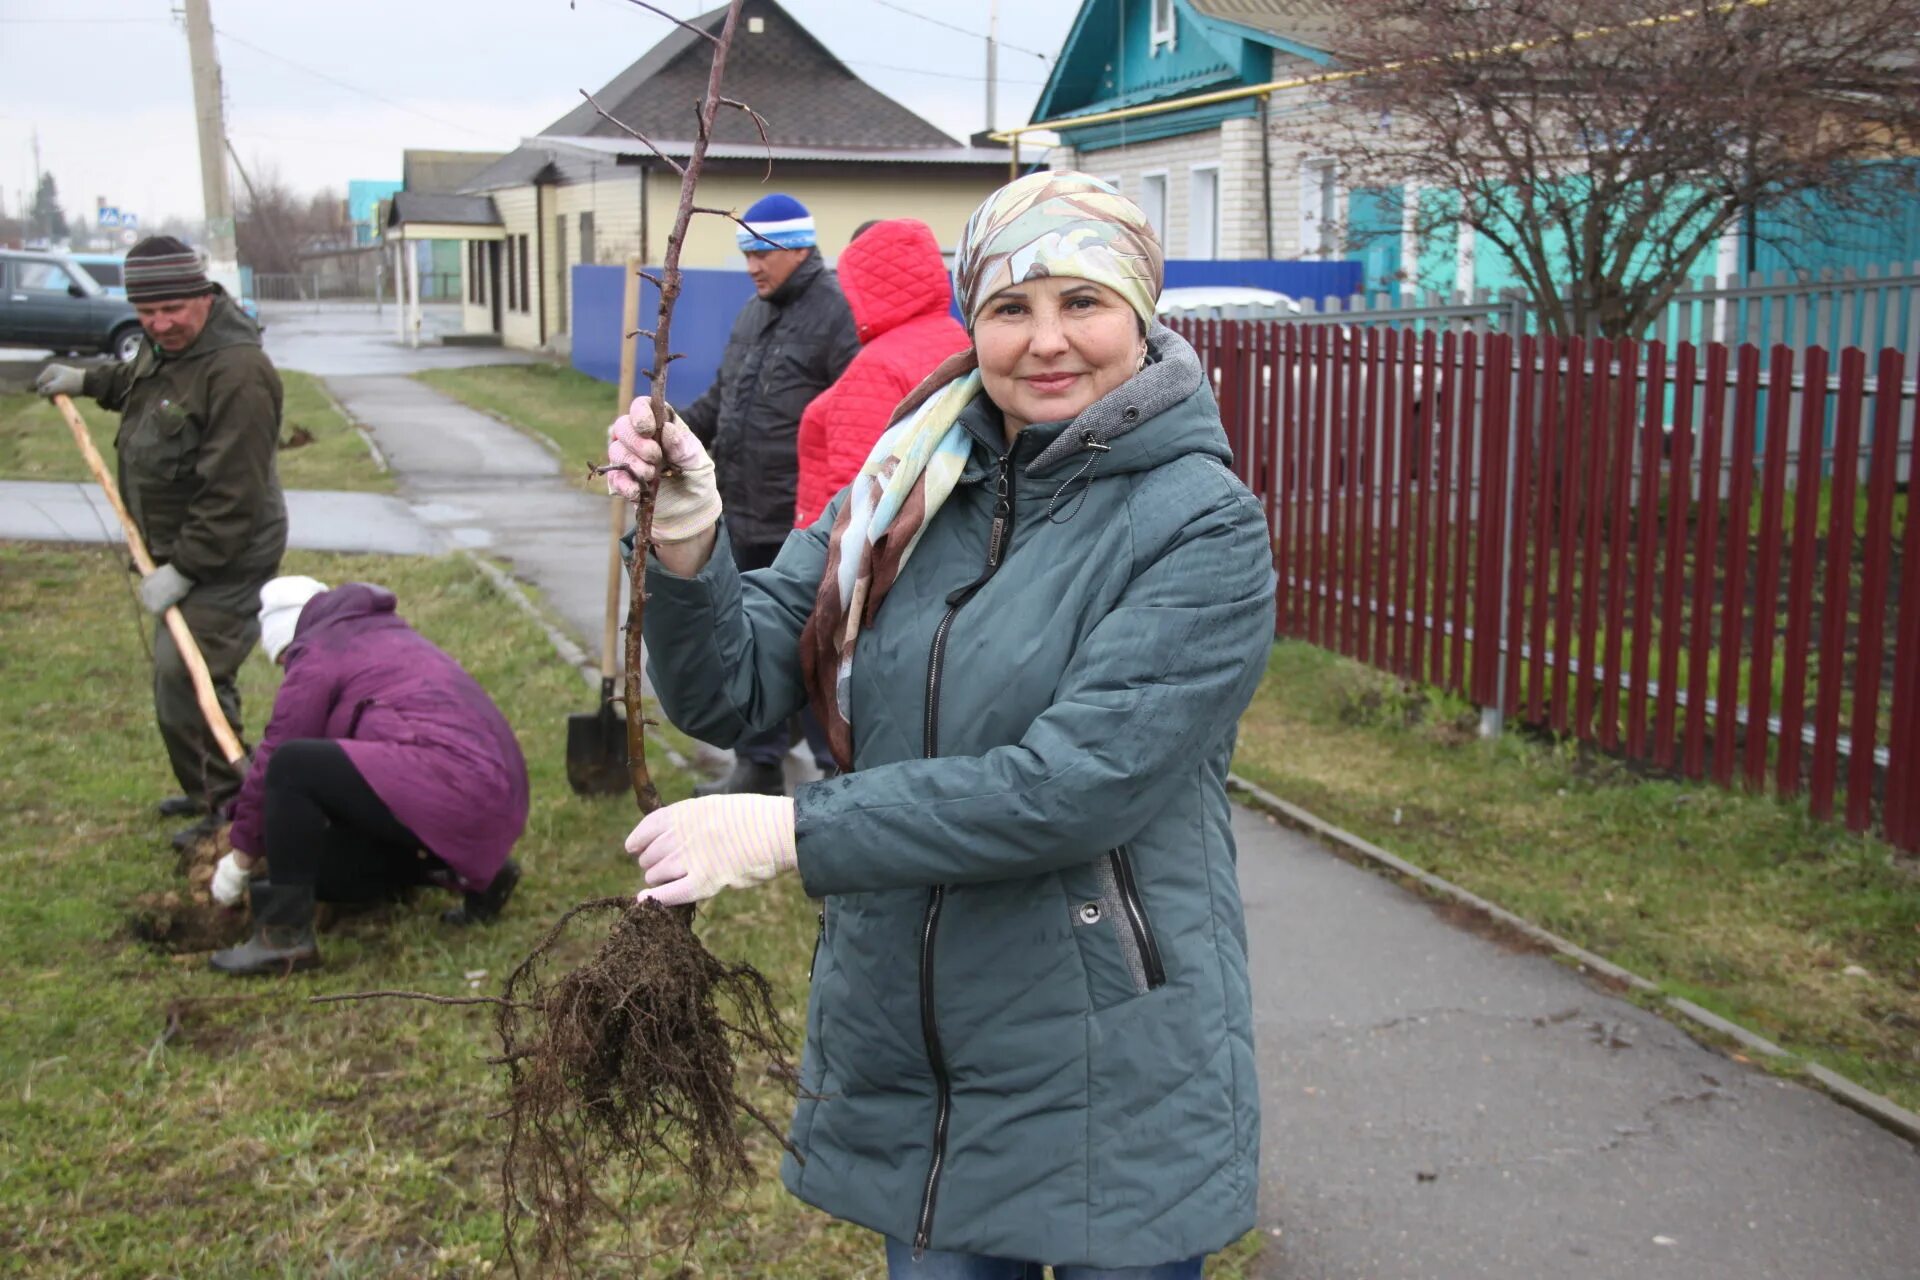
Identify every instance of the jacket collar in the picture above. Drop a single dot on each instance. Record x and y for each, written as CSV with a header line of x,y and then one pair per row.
x,y
796,284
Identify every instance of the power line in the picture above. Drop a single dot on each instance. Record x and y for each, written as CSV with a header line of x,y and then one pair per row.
x,y
911,13
351,88
944,75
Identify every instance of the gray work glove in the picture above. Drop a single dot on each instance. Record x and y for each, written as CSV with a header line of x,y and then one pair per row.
x,y
60,380
164,588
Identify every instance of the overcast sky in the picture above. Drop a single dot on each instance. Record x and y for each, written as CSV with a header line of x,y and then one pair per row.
x,y
326,92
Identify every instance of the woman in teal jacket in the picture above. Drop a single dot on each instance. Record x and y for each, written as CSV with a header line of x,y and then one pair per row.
x,y
1030,626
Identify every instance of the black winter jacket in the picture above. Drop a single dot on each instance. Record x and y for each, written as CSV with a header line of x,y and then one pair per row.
x,y
784,350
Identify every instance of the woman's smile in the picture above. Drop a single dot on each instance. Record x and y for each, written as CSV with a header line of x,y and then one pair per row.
x,y
1051,383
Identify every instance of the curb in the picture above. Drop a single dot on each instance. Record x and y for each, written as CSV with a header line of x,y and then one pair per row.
x,y
1883,1111
562,643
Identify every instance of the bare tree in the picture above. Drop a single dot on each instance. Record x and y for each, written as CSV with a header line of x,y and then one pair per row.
x,y
1604,146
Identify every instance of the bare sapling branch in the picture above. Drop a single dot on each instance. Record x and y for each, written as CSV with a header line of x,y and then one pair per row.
x,y
633,133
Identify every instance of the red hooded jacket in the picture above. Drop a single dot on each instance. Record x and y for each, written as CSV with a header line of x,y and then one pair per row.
x,y
897,285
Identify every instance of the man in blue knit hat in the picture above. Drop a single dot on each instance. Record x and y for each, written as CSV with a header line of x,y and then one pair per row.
x,y
788,345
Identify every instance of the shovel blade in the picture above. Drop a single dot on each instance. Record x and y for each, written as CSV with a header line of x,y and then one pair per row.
x,y
597,752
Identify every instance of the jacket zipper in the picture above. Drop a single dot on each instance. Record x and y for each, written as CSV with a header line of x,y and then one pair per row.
x,y
997,538
1137,918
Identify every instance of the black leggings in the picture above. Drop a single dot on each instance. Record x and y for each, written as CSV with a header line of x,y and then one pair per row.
x,y
325,827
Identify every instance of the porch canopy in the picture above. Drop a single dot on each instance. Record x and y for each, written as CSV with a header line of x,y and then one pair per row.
x,y
423,215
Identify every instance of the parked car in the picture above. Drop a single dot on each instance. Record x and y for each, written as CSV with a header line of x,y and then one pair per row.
x,y
48,300
109,271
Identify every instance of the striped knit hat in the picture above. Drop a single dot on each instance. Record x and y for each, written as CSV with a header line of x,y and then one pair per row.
x,y
162,269
778,222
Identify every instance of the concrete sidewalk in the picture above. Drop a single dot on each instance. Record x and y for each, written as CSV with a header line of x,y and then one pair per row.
x,y
1437,1106
317,519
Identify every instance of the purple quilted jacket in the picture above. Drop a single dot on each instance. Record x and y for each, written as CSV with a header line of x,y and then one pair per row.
x,y
424,735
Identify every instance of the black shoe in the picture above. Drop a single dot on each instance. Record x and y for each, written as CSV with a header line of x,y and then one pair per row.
x,y
748,777
485,906
186,838
282,941
179,807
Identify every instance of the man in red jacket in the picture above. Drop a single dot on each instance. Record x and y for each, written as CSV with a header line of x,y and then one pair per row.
x,y
896,283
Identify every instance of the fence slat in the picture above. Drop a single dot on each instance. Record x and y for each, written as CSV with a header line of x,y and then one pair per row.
x,y
1348,419
1315,542
1403,483
1693,760
1619,543
1440,399
1519,539
1369,523
1726,725
1466,418
1647,507
1806,507
1566,577
1592,510
1903,758
1766,585
1271,337
1673,569
1873,591
1831,675
1547,480
1424,429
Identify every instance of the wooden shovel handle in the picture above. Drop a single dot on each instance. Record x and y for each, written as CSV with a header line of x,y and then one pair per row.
x,y
617,511
176,624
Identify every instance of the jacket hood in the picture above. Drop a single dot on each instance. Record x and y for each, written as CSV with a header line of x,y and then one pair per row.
x,y
227,326
893,274
353,602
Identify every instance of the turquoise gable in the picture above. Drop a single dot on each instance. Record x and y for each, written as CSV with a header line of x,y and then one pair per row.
x,y
1109,61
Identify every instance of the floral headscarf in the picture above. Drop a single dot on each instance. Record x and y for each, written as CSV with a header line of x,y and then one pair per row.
x,y
1060,224
1043,225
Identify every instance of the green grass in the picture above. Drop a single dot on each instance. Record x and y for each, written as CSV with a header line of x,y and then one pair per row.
x,y
35,443
1743,903
564,406
268,1136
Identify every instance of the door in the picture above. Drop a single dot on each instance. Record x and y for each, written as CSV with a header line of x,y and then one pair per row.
x,y
48,306
493,281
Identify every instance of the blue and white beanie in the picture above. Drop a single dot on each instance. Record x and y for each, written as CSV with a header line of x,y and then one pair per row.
x,y
779,222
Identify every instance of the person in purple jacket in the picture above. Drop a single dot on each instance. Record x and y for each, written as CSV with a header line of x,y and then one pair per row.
x,y
384,765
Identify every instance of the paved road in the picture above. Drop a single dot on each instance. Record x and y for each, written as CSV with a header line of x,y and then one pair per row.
x,y
351,339
1441,1108
317,519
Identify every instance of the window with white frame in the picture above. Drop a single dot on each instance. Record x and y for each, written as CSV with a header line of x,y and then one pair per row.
x,y
1203,212
1319,209
1163,26
1153,201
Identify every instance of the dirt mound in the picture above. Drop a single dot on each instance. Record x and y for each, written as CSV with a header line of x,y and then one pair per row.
x,y
176,923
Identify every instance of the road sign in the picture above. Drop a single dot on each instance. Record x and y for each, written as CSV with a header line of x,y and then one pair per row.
x,y
128,236
109,216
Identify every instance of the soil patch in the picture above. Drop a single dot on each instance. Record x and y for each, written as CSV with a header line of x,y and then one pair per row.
x,y
176,923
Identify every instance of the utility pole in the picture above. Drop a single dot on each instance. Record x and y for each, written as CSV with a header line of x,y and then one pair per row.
x,y
223,259
993,31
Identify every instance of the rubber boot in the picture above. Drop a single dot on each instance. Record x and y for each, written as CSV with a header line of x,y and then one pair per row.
x,y
179,807
748,777
485,906
282,941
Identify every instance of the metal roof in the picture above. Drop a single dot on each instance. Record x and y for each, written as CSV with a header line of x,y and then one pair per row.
x,y
427,206
624,147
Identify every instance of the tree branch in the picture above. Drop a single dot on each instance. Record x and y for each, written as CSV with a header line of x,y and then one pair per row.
x,y
632,132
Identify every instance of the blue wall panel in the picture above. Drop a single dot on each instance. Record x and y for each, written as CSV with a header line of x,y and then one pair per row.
x,y
704,315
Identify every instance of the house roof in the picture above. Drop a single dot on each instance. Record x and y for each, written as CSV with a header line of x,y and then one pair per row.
x,y
520,167
950,154
438,207
442,171
1318,24
806,95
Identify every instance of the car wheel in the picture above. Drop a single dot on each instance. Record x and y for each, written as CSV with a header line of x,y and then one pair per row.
x,y
125,343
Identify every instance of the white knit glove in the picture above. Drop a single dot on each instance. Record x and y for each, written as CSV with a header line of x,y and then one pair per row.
x,y
687,504
692,850
164,588
229,881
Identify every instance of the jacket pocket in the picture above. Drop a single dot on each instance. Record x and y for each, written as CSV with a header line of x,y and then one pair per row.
x,y
1111,923
163,444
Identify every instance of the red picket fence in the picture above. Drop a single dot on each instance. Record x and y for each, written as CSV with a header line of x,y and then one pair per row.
x,y
1675,555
